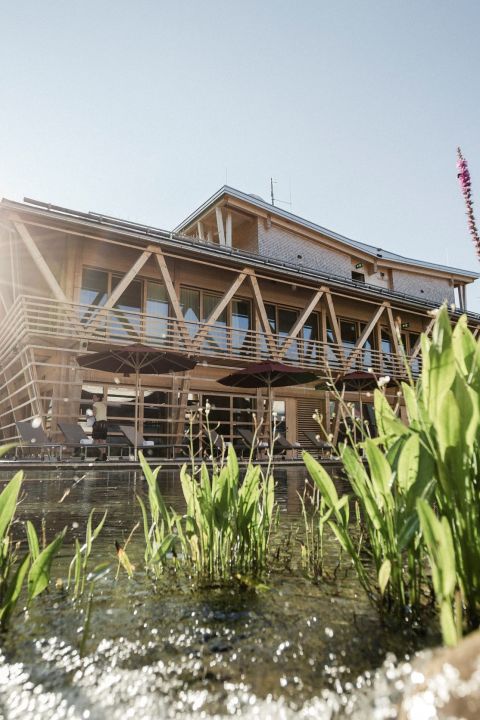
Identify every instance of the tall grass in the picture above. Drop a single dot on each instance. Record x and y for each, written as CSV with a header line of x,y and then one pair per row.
x,y
29,570
432,458
227,524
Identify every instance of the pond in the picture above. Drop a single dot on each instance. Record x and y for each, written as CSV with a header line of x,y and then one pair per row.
x,y
290,649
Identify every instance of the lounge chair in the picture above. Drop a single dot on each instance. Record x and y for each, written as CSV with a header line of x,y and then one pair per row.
x,y
150,448
251,442
77,438
220,445
281,445
34,438
323,447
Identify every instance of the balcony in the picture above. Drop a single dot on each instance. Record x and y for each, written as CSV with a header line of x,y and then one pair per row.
x,y
48,324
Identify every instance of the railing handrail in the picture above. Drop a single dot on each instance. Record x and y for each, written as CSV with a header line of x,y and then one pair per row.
x,y
47,316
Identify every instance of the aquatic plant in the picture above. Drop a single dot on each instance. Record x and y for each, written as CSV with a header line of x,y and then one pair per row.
x,y
434,456
33,569
315,515
12,571
227,524
78,568
159,523
386,490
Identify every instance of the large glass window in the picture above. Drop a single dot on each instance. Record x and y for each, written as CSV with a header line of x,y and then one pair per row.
x,y
348,330
156,308
310,336
217,335
127,309
190,304
94,291
241,324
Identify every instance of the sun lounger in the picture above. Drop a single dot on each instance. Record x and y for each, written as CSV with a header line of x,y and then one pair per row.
x,y
150,448
77,438
323,447
35,439
281,445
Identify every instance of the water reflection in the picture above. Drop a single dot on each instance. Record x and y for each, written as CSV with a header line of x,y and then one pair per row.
x,y
174,651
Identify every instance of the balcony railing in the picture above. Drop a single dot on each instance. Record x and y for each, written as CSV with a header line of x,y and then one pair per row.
x,y
55,321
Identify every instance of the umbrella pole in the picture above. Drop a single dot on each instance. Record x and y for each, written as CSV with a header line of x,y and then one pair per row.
x,y
269,410
137,388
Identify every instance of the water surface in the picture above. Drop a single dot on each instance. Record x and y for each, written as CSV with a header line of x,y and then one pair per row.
x,y
174,650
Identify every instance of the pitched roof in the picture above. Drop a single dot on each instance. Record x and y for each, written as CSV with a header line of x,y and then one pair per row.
x,y
374,252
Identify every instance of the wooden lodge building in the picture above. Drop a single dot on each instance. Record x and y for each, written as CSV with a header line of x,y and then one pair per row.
x,y
238,281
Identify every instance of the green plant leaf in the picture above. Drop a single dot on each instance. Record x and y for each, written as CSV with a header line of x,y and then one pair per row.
x,y
14,590
321,479
32,538
8,502
39,574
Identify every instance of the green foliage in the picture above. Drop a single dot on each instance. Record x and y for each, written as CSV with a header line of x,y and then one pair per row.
x,y
438,539
227,524
33,570
385,489
78,568
395,477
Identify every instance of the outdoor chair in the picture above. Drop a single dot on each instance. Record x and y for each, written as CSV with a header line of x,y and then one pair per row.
x,y
323,448
220,444
35,439
150,448
249,440
78,439
280,447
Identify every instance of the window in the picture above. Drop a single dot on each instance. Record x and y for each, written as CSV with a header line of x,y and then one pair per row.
x,y
241,324
94,291
190,304
217,335
358,276
157,311
127,309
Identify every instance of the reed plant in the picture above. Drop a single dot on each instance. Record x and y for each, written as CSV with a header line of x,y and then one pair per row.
x,y
227,524
430,460
78,569
29,570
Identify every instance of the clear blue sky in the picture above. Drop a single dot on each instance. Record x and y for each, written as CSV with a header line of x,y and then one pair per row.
x,y
140,108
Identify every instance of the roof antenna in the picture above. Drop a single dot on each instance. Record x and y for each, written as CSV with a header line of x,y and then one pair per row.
x,y
284,202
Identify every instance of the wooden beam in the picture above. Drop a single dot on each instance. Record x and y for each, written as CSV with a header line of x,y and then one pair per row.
x,y
418,345
300,322
41,264
200,231
394,329
365,335
335,326
217,311
115,295
228,238
221,231
172,296
260,306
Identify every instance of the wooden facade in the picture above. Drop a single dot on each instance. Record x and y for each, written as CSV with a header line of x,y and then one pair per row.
x,y
237,282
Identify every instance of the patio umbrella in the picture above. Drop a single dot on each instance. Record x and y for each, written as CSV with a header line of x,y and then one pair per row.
x,y
359,380
268,374
138,359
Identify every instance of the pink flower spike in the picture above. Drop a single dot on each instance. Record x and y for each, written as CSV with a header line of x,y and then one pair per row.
x,y
466,187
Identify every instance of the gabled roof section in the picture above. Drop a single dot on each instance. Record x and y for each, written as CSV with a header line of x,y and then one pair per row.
x,y
375,253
